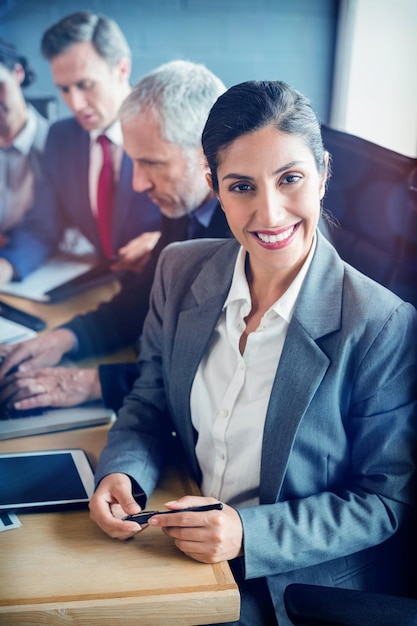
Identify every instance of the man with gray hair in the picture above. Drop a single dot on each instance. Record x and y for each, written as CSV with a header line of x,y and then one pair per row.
x,y
87,174
162,121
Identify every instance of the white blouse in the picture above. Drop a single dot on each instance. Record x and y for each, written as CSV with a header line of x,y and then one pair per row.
x,y
230,392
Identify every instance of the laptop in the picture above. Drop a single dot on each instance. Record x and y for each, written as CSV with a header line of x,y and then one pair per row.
x,y
41,421
50,420
17,325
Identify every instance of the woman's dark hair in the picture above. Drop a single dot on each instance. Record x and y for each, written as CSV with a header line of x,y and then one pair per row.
x,y
9,57
252,105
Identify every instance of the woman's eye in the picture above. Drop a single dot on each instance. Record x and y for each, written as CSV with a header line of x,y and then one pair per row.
x,y
291,179
241,187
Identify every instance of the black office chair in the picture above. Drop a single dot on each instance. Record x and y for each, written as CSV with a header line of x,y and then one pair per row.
x,y
312,605
372,193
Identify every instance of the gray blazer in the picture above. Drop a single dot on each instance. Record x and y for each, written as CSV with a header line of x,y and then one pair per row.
x,y
340,430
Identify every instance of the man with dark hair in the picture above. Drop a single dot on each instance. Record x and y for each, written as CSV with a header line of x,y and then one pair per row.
x,y
162,121
90,63
83,27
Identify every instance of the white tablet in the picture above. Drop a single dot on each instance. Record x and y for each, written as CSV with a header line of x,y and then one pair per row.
x,y
49,479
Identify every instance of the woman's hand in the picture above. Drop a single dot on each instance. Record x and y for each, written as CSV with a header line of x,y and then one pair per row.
x,y
208,537
112,501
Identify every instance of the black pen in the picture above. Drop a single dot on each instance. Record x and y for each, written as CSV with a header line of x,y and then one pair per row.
x,y
143,516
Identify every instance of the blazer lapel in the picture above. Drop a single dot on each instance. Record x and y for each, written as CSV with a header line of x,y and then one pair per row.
x,y
302,366
301,369
75,184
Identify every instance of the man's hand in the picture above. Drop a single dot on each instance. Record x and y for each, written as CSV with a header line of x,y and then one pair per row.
x,y
6,271
209,537
46,349
57,386
134,256
112,501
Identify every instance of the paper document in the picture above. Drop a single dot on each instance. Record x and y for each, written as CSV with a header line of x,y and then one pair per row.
x,y
54,272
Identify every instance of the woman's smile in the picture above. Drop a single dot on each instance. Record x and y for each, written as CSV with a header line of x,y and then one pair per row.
x,y
277,239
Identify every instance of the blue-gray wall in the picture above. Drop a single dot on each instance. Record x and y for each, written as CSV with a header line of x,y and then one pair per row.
x,y
291,40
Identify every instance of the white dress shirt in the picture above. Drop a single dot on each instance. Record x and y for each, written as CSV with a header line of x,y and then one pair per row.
x,y
230,392
74,242
17,175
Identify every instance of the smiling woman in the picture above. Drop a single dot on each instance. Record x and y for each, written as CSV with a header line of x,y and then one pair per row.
x,y
294,400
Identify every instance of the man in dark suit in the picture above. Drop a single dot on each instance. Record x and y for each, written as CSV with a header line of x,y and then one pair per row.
x,y
162,121
90,63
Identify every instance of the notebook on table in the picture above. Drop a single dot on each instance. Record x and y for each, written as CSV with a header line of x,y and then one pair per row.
x,y
49,420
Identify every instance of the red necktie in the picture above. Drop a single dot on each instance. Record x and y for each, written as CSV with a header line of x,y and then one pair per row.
x,y
105,197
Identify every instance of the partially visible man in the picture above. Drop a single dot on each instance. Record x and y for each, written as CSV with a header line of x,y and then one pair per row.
x,y
23,134
90,63
162,121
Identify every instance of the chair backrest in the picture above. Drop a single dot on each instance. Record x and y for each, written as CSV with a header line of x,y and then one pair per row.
x,y
372,193
312,605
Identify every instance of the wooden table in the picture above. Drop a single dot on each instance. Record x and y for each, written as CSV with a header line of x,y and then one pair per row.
x,y
60,568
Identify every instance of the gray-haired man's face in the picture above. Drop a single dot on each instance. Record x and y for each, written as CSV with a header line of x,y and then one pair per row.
x,y
161,169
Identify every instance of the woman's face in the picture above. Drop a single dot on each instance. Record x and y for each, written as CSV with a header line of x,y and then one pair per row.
x,y
270,191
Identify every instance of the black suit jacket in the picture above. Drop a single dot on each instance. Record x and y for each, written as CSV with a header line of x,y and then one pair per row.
x,y
119,323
